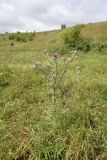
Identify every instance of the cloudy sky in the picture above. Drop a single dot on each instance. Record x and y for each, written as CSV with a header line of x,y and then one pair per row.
x,y
40,15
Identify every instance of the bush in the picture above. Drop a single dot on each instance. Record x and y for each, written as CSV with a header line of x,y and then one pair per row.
x,y
18,38
98,46
12,37
83,45
23,39
75,41
71,36
12,44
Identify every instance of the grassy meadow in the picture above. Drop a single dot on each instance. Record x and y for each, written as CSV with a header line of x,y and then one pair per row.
x,y
32,127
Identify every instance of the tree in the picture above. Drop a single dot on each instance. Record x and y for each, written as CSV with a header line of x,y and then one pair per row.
x,y
63,26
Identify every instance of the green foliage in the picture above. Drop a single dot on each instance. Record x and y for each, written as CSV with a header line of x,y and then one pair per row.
x,y
12,37
18,38
98,46
75,41
12,44
31,127
5,74
83,45
71,36
22,37
64,51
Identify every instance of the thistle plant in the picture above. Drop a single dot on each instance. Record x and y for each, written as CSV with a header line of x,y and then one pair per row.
x,y
57,75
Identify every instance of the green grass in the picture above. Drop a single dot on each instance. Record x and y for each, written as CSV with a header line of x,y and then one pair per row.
x,y
96,31
31,126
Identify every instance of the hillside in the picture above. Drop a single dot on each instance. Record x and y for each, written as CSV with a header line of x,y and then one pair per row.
x,y
96,31
37,123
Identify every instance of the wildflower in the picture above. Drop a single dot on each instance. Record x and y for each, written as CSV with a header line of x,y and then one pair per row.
x,y
54,56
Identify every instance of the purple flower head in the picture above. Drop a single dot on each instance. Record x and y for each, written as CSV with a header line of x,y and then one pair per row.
x,y
54,56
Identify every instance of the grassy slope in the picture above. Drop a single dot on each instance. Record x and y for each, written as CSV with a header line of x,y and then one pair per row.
x,y
30,125
97,31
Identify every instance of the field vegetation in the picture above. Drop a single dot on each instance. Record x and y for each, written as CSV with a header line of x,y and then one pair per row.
x,y
41,118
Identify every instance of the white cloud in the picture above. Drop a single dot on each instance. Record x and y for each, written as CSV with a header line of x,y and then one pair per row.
x,y
46,14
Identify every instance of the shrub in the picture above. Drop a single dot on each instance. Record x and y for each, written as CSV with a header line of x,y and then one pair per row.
x,y
12,37
24,39
83,45
98,46
71,36
12,44
74,41
18,38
